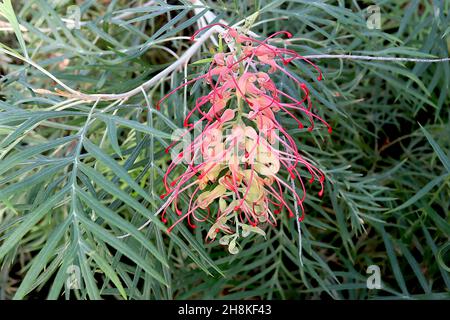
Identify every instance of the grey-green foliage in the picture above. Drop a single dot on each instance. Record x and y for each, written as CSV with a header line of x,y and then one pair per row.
x,y
76,175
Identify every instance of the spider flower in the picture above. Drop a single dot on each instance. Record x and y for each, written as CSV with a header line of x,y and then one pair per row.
x,y
238,169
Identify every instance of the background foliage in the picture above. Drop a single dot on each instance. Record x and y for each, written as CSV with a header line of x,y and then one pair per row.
x,y
75,175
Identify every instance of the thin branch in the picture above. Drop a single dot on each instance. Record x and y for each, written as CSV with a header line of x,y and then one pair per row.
x,y
94,97
183,60
297,219
356,57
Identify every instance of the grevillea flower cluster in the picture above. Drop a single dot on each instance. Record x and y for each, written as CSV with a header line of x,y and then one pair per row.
x,y
241,166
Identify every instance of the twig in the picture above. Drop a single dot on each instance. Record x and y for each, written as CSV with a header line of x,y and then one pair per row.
x,y
297,219
72,93
356,57
183,60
